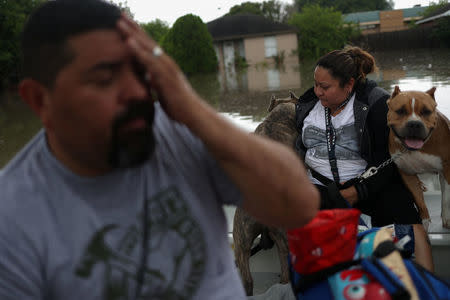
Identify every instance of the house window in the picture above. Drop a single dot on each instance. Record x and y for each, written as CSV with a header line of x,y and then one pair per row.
x,y
240,48
371,26
273,79
270,45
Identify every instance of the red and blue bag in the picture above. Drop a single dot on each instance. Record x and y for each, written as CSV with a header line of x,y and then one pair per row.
x,y
329,259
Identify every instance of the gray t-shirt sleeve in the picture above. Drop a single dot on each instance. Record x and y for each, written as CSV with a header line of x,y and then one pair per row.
x,y
20,273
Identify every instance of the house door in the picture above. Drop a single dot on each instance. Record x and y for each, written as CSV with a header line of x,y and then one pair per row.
x,y
228,53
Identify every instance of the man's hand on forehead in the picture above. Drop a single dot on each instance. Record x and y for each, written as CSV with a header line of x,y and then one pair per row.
x,y
164,74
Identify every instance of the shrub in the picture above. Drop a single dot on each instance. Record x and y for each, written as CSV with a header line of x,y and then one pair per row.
x,y
321,30
190,44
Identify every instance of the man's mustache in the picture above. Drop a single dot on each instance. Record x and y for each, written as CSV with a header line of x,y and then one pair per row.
x,y
134,147
135,110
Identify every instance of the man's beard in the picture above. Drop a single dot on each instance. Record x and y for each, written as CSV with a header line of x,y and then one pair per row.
x,y
130,148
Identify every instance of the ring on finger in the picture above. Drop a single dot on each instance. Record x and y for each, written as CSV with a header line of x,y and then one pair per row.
x,y
157,51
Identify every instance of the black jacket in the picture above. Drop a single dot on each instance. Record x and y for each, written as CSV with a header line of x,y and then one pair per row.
x,y
383,196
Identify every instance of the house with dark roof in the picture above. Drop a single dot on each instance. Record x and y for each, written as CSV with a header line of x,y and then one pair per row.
x,y
384,21
442,12
252,37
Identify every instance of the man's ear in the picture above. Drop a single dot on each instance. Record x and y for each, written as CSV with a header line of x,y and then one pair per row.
x,y
36,96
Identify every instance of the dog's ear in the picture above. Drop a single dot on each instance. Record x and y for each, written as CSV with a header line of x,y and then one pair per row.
x,y
293,96
431,92
273,103
396,91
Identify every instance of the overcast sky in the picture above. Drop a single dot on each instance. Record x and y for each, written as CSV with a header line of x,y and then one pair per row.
x,y
207,10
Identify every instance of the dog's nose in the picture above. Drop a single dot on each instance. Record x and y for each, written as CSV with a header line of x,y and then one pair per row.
x,y
415,129
414,125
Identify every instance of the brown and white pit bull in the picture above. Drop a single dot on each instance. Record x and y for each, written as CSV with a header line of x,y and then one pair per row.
x,y
418,127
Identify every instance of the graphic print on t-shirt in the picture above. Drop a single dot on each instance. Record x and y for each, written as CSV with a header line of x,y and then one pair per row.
x,y
176,253
314,139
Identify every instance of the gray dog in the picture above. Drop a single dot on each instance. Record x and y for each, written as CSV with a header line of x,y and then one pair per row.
x,y
279,125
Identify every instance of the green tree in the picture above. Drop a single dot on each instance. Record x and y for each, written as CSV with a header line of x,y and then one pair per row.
x,y
13,14
434,7
348,6
156,29
441,28
442,31
123,5
190,44
246,7
321,30
273,10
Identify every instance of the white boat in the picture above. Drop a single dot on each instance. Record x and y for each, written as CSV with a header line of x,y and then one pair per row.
x,y
265,266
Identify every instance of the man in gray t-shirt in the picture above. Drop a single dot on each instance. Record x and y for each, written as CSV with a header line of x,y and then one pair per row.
x,y
86,233
119,196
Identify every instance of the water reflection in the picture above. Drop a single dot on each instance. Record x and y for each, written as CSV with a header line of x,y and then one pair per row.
x,y
259,78
417,70
232,80
244,97
244,122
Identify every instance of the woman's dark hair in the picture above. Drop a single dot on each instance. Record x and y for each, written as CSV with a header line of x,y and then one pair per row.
x,y
350,62
44,38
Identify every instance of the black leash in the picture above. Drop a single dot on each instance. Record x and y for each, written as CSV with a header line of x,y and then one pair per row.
x,y
331,139
331,145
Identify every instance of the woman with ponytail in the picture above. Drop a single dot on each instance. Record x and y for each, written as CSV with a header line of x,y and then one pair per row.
x,y
343,131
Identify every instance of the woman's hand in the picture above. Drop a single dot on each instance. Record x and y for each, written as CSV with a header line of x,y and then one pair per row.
x,y
165,77
350,195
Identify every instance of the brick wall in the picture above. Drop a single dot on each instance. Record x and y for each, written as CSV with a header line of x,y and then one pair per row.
x,y
391,20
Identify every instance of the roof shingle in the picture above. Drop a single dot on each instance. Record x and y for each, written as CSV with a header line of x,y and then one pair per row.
x,y
244,25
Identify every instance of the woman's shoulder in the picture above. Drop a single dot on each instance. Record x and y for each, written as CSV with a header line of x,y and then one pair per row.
x,y
370,93
377,94
308,96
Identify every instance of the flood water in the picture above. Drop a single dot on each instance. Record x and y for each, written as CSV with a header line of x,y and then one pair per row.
x,y
244,96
